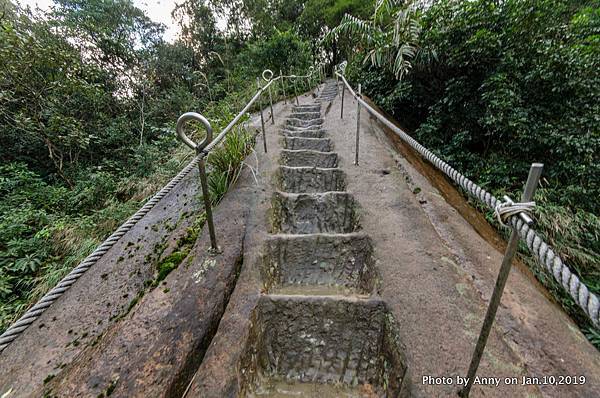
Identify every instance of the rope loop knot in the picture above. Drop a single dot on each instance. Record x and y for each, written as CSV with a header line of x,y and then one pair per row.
x,y
504,210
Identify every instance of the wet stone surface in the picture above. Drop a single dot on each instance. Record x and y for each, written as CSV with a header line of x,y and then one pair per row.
x,y
311,213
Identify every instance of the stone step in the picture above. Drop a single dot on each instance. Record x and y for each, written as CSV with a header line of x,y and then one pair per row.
x,y
303,157
310,179
306,115
303,123
302,213
316,133
323,259
316,144
306,128
306,108
325,340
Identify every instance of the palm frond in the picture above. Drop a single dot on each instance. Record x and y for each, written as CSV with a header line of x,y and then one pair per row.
x,y
390,36
352,26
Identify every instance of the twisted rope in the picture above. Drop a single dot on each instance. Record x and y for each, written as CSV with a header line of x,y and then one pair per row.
x,y
580,293
34,312
505,210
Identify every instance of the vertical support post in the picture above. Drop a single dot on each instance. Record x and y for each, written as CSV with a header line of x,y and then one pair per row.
x,y
530,186
262,119
343,92
207,204
199,149
271,102
357,124
296,91
283,86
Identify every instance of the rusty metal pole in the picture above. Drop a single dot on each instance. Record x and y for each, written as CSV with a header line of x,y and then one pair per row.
x,y
357,124
530,186
262,119
283,86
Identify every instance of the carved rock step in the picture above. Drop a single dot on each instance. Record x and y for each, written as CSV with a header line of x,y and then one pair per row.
x,y
304,157
316,144
301,129
306,115
310,179
327,340
338,261
303,123
333,212
306,108
317,133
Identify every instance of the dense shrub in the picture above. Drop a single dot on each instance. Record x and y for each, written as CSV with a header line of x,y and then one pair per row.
x,y
89,96
496,86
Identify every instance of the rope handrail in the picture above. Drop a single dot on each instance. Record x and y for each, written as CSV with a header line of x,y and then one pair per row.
x,y
579,292
33,313
49,298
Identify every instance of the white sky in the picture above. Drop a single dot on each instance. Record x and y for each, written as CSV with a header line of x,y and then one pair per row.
x,y
156,10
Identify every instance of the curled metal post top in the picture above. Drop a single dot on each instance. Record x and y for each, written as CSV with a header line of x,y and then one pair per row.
x,y
183,119
267,75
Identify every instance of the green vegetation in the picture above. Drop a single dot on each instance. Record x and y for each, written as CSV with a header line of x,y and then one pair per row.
x,y
492,87
89,97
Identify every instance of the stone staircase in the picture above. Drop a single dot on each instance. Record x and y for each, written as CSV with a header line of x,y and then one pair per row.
x,y
320,329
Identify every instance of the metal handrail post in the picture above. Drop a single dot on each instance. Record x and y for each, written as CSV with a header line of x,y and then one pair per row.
x,y
283,87
533,179
357,125
343,92
296,92
267,75
200,151
262,119
207,203
271,103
